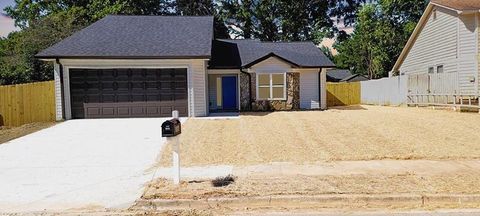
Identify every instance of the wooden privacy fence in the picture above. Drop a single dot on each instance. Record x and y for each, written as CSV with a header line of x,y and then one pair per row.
x,y
27,103
343,94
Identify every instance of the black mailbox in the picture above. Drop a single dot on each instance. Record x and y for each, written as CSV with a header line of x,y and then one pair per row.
x,y
171,128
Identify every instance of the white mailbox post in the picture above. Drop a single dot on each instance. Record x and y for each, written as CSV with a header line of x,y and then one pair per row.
x,y
171,129
176,154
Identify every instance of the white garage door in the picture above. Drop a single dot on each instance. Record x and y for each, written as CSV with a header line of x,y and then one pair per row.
x,y
309,90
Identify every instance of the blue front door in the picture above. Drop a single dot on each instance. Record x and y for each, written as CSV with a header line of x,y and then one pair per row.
x,y
229,92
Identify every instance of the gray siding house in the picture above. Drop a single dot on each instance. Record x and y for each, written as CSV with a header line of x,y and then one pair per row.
x,y
147,66
441,58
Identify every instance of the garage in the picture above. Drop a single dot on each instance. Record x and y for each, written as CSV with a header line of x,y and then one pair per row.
x,y
128,92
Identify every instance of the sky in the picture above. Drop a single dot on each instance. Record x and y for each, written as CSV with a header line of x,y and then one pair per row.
x,y
6,23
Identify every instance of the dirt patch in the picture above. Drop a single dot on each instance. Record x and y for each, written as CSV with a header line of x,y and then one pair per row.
x,y
402,183
10,133
351,133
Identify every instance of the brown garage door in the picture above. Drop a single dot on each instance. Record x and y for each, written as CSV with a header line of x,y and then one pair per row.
x,y
117,93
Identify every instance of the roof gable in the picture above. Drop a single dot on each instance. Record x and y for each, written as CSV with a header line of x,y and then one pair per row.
x,y
267,57
251,52
416,32
460,5
138,37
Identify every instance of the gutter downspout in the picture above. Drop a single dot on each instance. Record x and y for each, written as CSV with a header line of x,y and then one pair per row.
x,y
61,87
320,88
249,88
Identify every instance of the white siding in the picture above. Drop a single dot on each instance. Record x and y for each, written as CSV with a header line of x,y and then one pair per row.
x,y
66,94
309,89
436,44
449,40
58,92
467,50
212,91
199,77
478,52
323,89
271,64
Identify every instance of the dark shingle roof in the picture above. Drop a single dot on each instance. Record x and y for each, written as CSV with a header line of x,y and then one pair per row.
x,y
354,78
340,75
139,37
250,52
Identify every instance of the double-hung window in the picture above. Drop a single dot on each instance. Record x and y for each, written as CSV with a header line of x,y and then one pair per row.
x,y
271,86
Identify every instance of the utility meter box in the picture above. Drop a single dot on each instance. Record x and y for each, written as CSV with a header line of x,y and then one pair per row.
x,y
171,128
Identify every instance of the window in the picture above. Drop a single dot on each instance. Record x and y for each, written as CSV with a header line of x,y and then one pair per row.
x,y
430,70
440,69
271,86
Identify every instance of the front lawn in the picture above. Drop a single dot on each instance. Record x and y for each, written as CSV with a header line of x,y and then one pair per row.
x,y
351,133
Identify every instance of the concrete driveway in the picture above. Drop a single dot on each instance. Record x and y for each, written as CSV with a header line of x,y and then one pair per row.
x,y
100,163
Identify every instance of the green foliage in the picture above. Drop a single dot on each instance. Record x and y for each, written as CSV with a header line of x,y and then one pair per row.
x,y
327,52
277,20
44,23
381,31
203,8
382,27
17,61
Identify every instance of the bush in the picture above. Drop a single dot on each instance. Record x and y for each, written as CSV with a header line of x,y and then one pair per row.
x,y
223,181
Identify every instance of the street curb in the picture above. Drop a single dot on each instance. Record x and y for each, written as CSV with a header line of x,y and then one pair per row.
x,y
319,201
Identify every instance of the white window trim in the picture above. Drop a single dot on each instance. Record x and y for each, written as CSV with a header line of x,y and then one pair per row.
x,y
271,86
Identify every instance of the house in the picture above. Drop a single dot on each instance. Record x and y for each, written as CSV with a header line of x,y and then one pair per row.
x,y
441,58
147,66
341,75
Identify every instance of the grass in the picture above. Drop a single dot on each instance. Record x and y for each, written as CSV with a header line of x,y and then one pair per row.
x,y
10,133
351,133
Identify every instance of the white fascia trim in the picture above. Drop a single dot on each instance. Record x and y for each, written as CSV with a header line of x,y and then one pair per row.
x,y
449,8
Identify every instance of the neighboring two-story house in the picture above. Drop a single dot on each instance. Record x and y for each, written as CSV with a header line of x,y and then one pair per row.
x,y
441,57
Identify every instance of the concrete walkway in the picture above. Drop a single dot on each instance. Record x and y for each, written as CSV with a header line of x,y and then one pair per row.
x,y
79,164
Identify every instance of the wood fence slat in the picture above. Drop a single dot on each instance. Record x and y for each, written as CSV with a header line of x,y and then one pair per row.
x,y
343,94
27,103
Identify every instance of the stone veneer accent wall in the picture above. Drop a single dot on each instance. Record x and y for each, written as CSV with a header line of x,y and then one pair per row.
x,y
291,103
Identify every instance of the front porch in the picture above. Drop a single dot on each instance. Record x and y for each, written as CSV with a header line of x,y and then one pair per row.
x,y
223,92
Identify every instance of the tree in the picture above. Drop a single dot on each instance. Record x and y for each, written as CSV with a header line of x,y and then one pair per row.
x,y
44,23
276,20
17,61
381,31
203,8
25,12
285,20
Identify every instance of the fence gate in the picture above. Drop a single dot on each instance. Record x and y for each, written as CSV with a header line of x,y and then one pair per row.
x,y
439,89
